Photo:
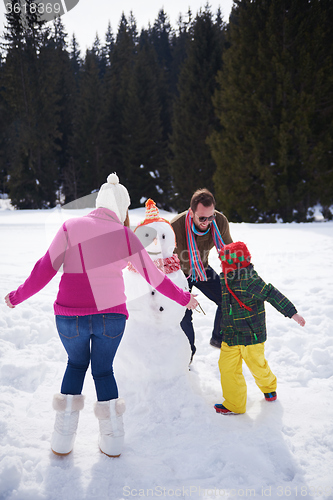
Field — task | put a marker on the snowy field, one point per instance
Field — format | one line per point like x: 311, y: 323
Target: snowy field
x: 176, y: 446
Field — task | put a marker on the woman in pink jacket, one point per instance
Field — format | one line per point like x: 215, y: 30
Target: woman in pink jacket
x: 90, y: 309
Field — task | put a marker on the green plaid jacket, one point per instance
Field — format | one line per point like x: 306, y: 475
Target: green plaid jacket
x: 242, y: 327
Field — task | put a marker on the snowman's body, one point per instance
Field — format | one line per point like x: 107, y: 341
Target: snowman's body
x: 159, y: 241
x: 153, y: 328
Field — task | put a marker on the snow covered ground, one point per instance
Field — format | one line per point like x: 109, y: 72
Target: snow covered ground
x: 176, y: 445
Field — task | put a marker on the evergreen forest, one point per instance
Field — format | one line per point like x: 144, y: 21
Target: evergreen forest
x: 244, y: 108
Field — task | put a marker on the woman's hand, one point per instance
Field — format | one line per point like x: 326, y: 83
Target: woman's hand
x: 299, y: 319
x: 193, y: 302
x: 8, y: 302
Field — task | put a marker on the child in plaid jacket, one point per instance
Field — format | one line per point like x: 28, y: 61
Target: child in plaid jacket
x: 243, y: 327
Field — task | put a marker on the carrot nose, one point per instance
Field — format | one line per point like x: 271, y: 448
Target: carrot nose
x: 155, y: 241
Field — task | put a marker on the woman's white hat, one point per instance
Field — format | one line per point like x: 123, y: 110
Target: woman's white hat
x: 114, y: 196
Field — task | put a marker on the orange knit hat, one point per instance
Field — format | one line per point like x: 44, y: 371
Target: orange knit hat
x: 152, y: 214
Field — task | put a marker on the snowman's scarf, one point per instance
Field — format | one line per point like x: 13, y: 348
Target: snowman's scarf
x: 198, y: 272
x: 167, y: 266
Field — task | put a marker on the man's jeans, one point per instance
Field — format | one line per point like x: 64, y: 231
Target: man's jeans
x: 212, y: 289
x: 94, y: 338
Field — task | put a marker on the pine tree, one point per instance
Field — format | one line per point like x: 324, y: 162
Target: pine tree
x: 33, y: 123
x: 160, y: 38
x: 85, y: 170
x: 191, y: 164
x: 4, y: 120
x: 67, y: 79
x: 233, y: 147
x: 274, y: 77
x: 101, y: 56
x: 116, y: 85
x: 179, y: 44
x: 109, y: 45
x: 75, y: 58
x: 319, y: 93
x: 143, y: 148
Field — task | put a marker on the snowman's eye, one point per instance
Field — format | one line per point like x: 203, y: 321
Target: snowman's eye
x: 153, y: 292
x: 163, y: 236
x: 147, y: 235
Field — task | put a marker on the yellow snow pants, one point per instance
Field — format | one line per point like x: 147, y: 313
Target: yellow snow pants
x: 232, y: 378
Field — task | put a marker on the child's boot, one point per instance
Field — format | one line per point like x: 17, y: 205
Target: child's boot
x: 270, y: 396
x: 111, y: 427
x: 67, y: 407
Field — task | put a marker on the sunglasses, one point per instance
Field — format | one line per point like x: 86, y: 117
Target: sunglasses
x: 209, y: 219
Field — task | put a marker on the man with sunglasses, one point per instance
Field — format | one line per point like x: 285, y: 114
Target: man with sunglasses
x: 197, y: 231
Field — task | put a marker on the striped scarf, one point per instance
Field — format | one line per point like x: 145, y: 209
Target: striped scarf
x: 198, y: 272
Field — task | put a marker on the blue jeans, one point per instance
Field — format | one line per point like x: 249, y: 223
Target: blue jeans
x: 94, y: 338
x: 212, y: 289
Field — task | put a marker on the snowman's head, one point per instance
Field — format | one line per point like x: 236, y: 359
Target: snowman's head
x: 158, y: 238
x: 155, y: 233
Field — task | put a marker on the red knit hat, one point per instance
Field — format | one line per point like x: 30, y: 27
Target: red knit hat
x: 234, y: 256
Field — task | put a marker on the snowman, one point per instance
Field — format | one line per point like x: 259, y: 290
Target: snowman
x: 153, y: 329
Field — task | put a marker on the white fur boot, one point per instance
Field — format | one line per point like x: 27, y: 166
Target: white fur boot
x: 111, y: 427
x: 67, y: 418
